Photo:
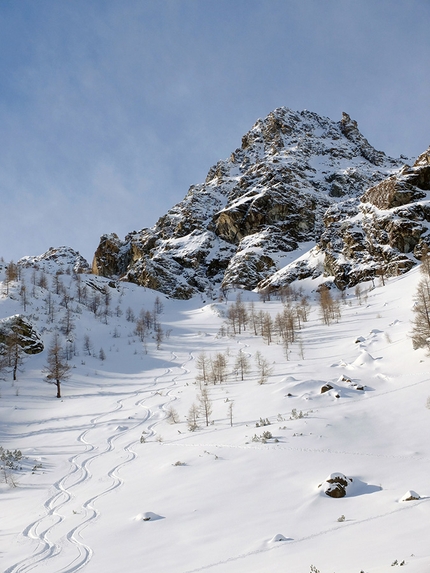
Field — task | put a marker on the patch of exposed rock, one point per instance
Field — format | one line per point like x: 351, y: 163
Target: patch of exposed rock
x: 27, y: 336
x: 335, y: 485
x: 254, y: 209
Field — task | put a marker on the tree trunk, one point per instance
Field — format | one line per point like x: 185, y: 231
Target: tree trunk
x: 57, y: 383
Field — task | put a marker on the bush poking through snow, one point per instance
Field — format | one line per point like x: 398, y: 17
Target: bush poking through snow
x: 263, y: 438
x: 296, y: 415
x: 9, y: 462
x: 262, y: 422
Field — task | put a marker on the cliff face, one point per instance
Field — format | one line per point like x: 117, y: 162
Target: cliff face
x: 385, y: 233
x: 255, y: 211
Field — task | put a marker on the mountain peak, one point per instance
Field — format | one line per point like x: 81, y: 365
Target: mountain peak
x: 254, y: 208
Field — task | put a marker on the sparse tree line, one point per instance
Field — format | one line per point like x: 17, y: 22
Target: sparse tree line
x: 147, y: 324
x: 62, y: 301
x: 286, y: 324
x: 283, y: 328
x: 213, y: 370
x: 241, y: 316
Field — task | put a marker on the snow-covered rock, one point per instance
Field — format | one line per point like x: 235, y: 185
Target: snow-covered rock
x: 57, y: 260
x: 255, y: 209
x: 385, y: 233
x: 335, y: 485
x: 27, y: 336
x: 410, y: 495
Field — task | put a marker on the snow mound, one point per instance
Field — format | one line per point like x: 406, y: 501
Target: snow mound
x: 410, y: 495
x: 364, y: 359
x: 278, y: 537
x: 148, y: 516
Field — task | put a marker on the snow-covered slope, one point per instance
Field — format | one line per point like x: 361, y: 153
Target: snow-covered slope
x: 112, y: 479
x: 254, y: 210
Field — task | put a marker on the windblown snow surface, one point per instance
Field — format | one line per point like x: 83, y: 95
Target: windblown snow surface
x: 109, y: 484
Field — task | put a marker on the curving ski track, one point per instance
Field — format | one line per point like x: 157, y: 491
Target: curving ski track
x: 67, y: 552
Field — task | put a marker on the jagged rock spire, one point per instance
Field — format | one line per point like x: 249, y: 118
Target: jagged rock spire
x: 254, y: 208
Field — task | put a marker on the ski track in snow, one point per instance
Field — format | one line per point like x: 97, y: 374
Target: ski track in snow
x: 284, y: 544
x: 277, y: 447
x: 71, y: 547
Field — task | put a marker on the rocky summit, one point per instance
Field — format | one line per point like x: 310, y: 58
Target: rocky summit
x: 256, y: 219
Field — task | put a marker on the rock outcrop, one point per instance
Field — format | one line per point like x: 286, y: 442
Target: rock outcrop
x: 335, y: 485
x: 255, y: 211
x: 383, y: 234
x: 26, y: 335
x: 61, y: 260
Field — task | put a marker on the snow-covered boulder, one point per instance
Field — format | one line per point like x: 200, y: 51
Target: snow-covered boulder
x: 335, y: 485
x: 27, y: 336
x: 148, y: 516
x: 410, y: 495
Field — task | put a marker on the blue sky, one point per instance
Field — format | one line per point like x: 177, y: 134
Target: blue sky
x: 110, y: 110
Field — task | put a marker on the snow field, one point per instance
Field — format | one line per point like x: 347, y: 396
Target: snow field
x: 221, y: 506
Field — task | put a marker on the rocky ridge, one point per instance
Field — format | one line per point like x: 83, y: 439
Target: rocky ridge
x: 256, y: 212
x: 57, y: 260
x: 385, y: 233
x: 380, y: 235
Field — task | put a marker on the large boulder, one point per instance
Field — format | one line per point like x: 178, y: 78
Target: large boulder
x: 335, y: 485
